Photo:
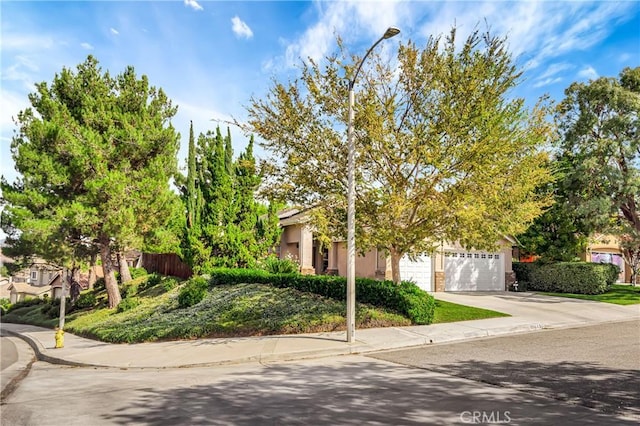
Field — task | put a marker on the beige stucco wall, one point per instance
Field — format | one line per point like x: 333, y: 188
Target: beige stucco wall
x: 607, y: 244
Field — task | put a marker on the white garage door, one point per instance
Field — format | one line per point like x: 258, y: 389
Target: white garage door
x: 418, y: 271
x: 473, y: 271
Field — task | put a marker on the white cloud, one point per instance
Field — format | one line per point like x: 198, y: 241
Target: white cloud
x: 26, y: 42
x: 588, y: 72
x: 86, y: 46
x: 114, y: 31
x: 547, y: 82
x: 22, y: 70
x: 240, y: 28
x: 554, y: 69
x: 193, y: 4
x: 351, y: 20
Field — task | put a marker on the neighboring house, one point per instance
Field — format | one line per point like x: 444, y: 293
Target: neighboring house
x: 21, y: 291
x: 451, y: 268
x: 606, y: 249
x: 37, y: 280
x: 5, y: 293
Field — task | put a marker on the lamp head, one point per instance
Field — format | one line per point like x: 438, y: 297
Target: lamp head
x: 391, y: 32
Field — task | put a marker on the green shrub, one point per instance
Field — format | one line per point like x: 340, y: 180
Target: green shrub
x: 193, y: 292
x: 275, y: 265
x: 137, y: 272
x: 523, y: 271
x: 613, y: 272
x: 24, y: 303
x: 128, y: 304
x: 87, y: 299
x: 52, y: 307
x: 571, y: 277
x: 154, y: 280
x: 169, y: 283
x: 128, y: 290
x: 100, y: 284
x: 406, y: 298
x: 5, y: 304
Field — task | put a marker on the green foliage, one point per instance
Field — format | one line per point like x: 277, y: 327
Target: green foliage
x: 137, y: 272
x: 51, y: 308
x: 600, y: 145
x: 193, y: 292
x: 96, y: 153
x: 99, y: 284
x: 5, y: 304
x: 153, y: 280
x: 128, y: 290
x: 619, y: 294
x: 405, y: 298
x: 24, y: 303
x: 169, y: 283
x: 444, y: 149
x: 87, y: 299
x: 128, y: 304
x: 223, y: 227
x: 567, y: 277
x: 273, y: 264
x: 523, y: 272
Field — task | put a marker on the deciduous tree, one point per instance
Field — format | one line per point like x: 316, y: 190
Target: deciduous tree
x: 444, y: 150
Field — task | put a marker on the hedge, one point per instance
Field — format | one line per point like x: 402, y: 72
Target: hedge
x: 566, y: 277
x: 406, y: 298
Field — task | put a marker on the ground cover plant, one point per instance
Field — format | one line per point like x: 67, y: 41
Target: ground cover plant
x: 154, y: 311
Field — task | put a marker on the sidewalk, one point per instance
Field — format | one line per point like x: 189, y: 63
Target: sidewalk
x: 529, y: 313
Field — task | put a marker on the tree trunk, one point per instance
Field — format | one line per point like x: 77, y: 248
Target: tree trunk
x: 92, y: 270
x: 395, y: 266
x: 125, y: 274
x: 113, y: 293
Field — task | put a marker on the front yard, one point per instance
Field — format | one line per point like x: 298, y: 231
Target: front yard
x: 619, y: 294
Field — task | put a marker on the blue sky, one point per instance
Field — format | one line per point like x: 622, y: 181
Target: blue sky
x: 210, y: 57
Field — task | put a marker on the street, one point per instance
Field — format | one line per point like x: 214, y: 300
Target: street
x: 549, y: 377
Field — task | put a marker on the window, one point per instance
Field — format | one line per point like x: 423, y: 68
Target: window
x: 34, y: 276
x: 497, y: 256
x: 483, y: 256
x: 490, y: 256
x: 476, y: 256
x: 469, y: 255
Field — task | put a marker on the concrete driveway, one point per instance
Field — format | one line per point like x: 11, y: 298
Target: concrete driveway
x: 547, y: 310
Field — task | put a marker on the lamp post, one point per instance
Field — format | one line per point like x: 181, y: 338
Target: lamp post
x: 351, y: 195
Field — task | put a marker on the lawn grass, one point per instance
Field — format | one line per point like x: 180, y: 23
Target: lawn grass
x: 617, y: 294
x: 452, y: 312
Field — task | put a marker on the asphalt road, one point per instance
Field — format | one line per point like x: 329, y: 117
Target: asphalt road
x: 597, y: 366
x: 8, y: 353
x: 349, y: 390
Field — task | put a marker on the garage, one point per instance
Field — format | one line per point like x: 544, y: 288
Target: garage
x: 419, y: 270
x: 473, y: 271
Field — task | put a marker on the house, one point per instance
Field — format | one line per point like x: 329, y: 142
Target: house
x: 607, y: 249
x: 21, y: 291
x: 451, y: 268
x: 37, y: 280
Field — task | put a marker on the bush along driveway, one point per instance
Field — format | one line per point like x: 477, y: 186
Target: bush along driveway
x: 619, y: 294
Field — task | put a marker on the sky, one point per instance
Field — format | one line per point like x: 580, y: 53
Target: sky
x: 212, y: 57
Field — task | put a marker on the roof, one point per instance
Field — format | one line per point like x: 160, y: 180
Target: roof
x: 29, y: 289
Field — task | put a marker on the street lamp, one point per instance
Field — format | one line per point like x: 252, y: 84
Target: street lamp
x: 351, y: 195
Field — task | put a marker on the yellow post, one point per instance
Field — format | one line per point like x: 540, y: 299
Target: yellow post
x: 59, y: 338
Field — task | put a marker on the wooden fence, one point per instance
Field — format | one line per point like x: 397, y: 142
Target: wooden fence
x: 166, y: 264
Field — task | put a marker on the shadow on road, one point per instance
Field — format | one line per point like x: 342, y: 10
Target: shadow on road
x: 369, y: 393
